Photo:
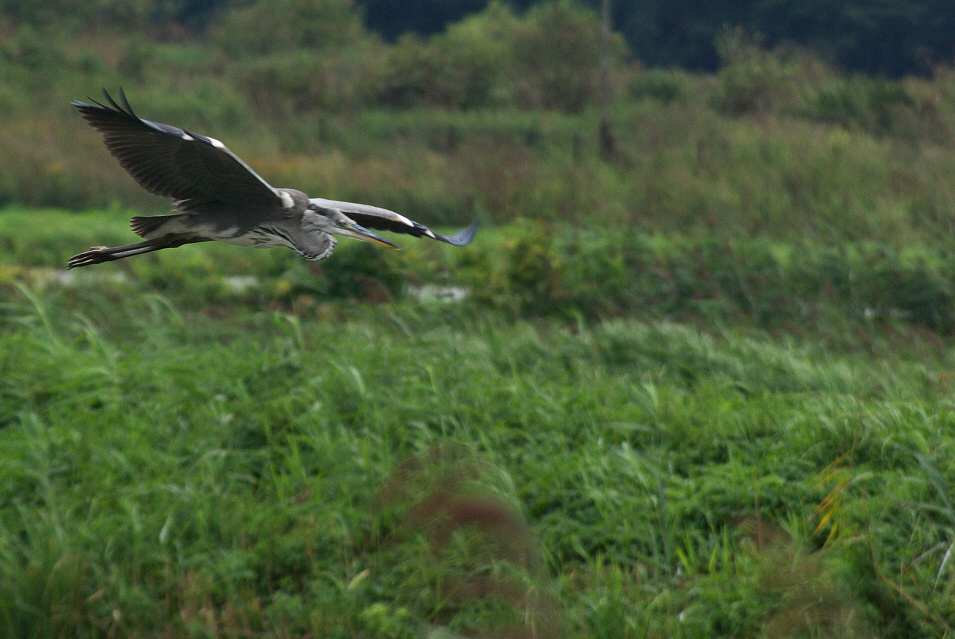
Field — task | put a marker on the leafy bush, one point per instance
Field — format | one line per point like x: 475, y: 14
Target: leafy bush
x: 916, y: 287
x: 410, y: 72
x: 523, y: 273
x: 546, y: 59
x: 557, y: 55
x: 357, y: 271
x: 657, y: 84
x: 300, y: 54
x: 873, y: 104
x: 752, y: 79
x: 305, y: 80
x: 289, y: 25
x: 475, y: 55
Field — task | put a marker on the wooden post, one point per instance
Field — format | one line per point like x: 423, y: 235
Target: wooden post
x: 607, y: 145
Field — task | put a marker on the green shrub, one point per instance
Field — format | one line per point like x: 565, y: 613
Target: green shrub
x: 410, y: 72
x: 523, y: 273
x: 355, y: 270
x: 546, y: 59
x: 299, y: 55
x: 289, y: 25
x: 474, y: 55
x: 28, y: 48
x: 557, y: 55
x: 914, y: 288
x: 754, y: 80
x: 658, y: 84
x: 872, y: 104
x: 303, y: 80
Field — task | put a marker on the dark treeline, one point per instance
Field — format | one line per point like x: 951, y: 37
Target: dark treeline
x: 886, y: 37
x: 891, y: 37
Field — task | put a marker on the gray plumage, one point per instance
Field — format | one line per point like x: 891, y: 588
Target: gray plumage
x: 218, y: 197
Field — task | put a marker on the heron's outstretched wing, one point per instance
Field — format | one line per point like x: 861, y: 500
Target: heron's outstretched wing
x: 175, y: 163
x: 380, y: 219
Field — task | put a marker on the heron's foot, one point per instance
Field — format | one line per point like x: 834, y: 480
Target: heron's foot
x: 95, y: 255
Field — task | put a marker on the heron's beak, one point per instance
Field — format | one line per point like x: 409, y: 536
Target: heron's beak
x: 359, y: 232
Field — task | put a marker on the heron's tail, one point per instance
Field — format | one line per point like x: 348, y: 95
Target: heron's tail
x: 145, y: 226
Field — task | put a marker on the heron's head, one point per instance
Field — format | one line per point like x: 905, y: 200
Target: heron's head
x: 337, y: 223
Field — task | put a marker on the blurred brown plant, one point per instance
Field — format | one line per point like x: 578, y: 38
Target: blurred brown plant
x: 482, y: 546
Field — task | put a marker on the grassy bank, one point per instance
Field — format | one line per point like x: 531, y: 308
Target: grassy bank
x: 805, y: 286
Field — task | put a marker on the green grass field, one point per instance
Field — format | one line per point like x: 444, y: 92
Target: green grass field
x: 179, y: 460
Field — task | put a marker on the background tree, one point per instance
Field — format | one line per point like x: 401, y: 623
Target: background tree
x: 891, y: 37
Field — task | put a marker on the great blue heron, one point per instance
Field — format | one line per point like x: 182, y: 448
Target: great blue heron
x: 218, y: 197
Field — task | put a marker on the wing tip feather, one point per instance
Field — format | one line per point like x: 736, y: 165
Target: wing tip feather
x: 462, y: 237
x: 93, y: 107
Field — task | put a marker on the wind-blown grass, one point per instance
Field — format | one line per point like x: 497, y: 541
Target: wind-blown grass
x: 366, y: 472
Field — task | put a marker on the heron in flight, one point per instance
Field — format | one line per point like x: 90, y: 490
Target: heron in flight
x: 219, y: 198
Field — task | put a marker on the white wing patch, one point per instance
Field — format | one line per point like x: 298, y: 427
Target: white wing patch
x: 216, y: 143
x: 187, y: 137
x: 287, y: 201
x: 403, y: 220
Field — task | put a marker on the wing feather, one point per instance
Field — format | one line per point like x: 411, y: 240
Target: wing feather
x: 173, y: 162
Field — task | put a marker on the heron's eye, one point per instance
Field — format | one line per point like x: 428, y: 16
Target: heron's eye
x: 341, y: 223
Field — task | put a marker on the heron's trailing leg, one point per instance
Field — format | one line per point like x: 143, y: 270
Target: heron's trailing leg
x: 100, y: 254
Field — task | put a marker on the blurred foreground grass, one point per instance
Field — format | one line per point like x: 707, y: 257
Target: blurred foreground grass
x: 181, y: 458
